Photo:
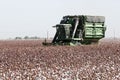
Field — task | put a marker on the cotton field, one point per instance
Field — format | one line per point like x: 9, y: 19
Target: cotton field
x: 30, y: 60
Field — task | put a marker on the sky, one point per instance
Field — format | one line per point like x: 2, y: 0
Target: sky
x: 36, y: 17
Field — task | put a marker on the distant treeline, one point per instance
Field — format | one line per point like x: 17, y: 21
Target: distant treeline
x: 27, y: 37
x: 33, y: 37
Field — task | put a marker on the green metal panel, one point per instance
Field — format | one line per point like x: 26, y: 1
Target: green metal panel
x: 99, y: 31
x: 88, y: 31
x: 94, y: 30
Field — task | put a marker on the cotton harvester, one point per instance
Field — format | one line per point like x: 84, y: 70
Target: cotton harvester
x: 81, y: 29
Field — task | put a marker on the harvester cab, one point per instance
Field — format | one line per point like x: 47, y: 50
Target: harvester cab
x: 63, y: 33
x: 81, y: 29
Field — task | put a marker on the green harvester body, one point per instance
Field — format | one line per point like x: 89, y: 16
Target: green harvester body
x: 81, y: 29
